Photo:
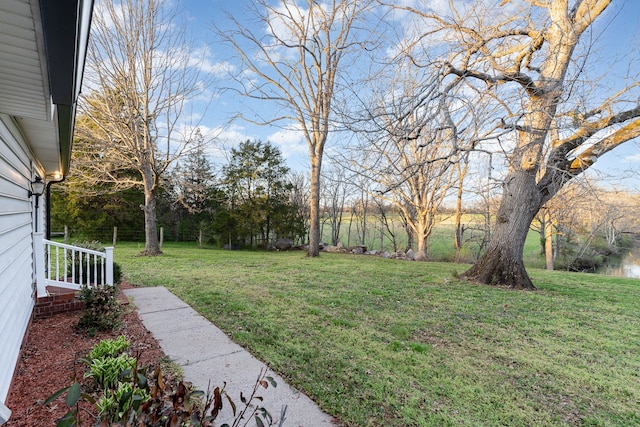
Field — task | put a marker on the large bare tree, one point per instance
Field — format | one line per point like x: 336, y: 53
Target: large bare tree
x: 292, y: 56
x: 139, y: 77
x: 532, y: 56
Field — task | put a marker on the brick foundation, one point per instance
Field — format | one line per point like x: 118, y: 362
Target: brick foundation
x: 59, y: 301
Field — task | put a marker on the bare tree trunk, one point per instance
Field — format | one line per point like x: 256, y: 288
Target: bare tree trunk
x: 459, y: 231
x: 502, y: 263
x: 422, y: 249
x: 548, y: 242
x: 151, y: 246
x: 459, y: 228
x: 365, y: 208
x: 349, y: 229
x: 314, y: 211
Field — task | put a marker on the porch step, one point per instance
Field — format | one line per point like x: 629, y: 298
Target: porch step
x: 60, y: 300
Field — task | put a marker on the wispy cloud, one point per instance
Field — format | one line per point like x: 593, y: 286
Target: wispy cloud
x: 290, y: 142
x: 202, y: 59
x: 634, y: 158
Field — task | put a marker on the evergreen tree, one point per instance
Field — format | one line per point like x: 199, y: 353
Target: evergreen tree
x: 258, y: 193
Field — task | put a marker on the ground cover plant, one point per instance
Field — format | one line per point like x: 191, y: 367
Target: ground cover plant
x: 396, y: 343
x: 124, y: 393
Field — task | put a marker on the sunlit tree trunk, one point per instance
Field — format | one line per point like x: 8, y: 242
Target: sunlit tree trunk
x: 548, y: 242
x: 502, y: 263
x: 459, y: 227
x: 314, y: 212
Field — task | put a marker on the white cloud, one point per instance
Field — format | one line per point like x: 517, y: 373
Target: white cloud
x: 290, y: 141
x: 231, y: 135
x: 202, y: 59
x: 634, y: 158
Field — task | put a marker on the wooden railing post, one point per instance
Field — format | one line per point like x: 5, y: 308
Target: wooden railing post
x: 38, y: 259
x: 109, y: 266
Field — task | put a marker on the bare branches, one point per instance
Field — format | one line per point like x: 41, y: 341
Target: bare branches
x: 525, y: 81
x: 619, y: 136
x: 585, y: 12
x: 295, y: 65
x: 140, y: 75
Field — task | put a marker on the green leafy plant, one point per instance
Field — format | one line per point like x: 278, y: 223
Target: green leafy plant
x: 118, y: 405
x: 101, y: 308
x: 72, y: 399
x: 109, y: 348
x: 128, y: 396
x: 106, y: 371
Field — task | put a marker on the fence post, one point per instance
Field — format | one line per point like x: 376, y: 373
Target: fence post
x: 38, y: 248
x: 109, y: 266
x: 115, y: 234
x: 161, y: 236
x: 66, y: 234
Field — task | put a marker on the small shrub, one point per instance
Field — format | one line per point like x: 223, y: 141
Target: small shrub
x: 117, y: 273
x: 101, y: 308
x: 139, y: 402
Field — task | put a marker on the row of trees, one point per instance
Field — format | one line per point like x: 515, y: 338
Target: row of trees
x: 254, y: 199
x: 251, y: 202
x: 509, y: 81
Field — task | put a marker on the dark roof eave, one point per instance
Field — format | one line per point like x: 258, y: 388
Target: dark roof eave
x: 66, y: 121
x: 66, y: 26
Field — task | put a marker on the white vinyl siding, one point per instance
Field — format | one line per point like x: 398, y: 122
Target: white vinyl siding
x: 16, y: 249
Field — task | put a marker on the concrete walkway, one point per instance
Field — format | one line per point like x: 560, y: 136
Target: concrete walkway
x: 207, y: 354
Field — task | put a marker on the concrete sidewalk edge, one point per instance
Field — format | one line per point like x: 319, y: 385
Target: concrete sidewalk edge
x: 208, y: 356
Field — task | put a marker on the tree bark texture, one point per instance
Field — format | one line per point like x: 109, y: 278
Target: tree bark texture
x: 548, y: 241
x: 502, y: 263
x: 152, y: 245
x: 314, y: 211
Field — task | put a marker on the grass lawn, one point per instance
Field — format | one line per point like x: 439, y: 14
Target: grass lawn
x: 394, y: 343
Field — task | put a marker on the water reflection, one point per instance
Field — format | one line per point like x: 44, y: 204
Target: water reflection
x: 629, y: 266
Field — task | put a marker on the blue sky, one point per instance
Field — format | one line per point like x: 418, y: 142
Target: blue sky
x: 621, y: 36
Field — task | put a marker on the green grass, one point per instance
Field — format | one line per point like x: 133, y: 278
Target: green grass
x: 382, y: 342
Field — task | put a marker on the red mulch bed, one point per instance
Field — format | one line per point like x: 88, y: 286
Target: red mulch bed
x: 50, y: 359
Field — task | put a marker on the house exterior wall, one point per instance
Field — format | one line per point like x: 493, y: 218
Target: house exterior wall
x: 17, y: 291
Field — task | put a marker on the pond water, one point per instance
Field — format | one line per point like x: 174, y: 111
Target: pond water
x: 627, y: 266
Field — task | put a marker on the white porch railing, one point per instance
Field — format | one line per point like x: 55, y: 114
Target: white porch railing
x: 71, y: 267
